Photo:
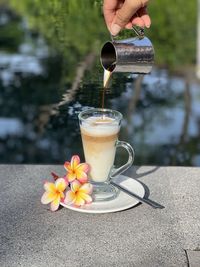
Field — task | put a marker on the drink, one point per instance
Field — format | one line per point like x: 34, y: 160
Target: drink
x: 106, y: 78
x: 99, y: 132
x: 99, y: 136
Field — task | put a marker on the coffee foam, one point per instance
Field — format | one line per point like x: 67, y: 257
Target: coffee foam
x: 100, y: 126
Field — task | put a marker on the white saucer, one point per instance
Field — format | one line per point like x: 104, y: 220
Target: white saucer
x: 122, y: 202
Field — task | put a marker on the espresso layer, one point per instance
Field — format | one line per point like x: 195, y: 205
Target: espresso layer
x: 98, y: 139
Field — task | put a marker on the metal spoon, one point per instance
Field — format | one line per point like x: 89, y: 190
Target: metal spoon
x: 143, y: 200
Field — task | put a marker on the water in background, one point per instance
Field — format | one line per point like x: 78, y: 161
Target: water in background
x: 39, y: 104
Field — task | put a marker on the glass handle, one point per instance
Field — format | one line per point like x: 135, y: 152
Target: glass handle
x: 116, y: 171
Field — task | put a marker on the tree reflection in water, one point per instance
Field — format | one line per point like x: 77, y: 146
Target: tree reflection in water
x: 42, y: 89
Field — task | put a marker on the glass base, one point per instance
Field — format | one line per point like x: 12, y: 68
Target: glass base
x: 104, y: 191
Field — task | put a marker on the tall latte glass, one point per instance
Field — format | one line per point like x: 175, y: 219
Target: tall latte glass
x: 99, y: 132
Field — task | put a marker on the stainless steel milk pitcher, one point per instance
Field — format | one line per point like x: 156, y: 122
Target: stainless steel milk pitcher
x: 135, y: 55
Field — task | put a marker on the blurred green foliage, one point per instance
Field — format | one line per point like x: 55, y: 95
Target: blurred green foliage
x: 67, y: 24
x: 11, y: 33
x: 76, y: 27
x: 173, y: 31
x: 72, y: 28
x: 11, y: 36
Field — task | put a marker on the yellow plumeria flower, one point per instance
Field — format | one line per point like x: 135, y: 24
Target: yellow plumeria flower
x: 54, y: 193
x: 76, y: 170
x: 79, y: 194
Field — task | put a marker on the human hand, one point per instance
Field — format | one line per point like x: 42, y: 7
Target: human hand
x: 121, y: 14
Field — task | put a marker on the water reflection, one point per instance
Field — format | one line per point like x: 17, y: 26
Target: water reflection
x: 40, y: 100
x: 166, y: 123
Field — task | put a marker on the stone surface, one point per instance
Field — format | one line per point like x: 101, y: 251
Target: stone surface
x: 193, y: 258
x: 31, y: 235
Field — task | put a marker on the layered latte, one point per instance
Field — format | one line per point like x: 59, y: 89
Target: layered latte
x: 99, y: 135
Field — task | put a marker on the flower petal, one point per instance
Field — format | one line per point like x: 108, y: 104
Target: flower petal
x: 60, y: 184
x: 75, y: 160
x: 75, y: 185
x: 62, y: 196
x: 70, y: 197
x: 71, y: 176
x: 79, y: 201
x: 86, y: 188
x: 50, y: 187
x: 83, y: 167
x: 81, y: 176
x: 86, y: 197
x: 55, y: 203
x: 67, y: 166
x: 47, y: 197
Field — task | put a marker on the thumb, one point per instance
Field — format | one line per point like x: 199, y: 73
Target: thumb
x: 124, y: 14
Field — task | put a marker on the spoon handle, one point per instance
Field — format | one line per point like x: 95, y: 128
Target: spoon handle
x: 143, y: 200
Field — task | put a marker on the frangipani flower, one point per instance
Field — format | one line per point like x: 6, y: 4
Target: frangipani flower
x: 76, y: 170
x: 54, y: 193
x: 79, y: 194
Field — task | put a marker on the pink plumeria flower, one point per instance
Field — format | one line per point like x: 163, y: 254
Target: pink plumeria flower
x: 54, y: 193
x: 79, y: 194
x: 76, y: 170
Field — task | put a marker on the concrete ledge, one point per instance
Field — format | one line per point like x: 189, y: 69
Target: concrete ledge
x: 31, y: 235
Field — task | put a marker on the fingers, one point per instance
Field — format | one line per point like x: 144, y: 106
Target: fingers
x: 120, y: 14
x: 142, y: 19
x: 109, y: 9
x: 124, y: 16
x: 138, y: 22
